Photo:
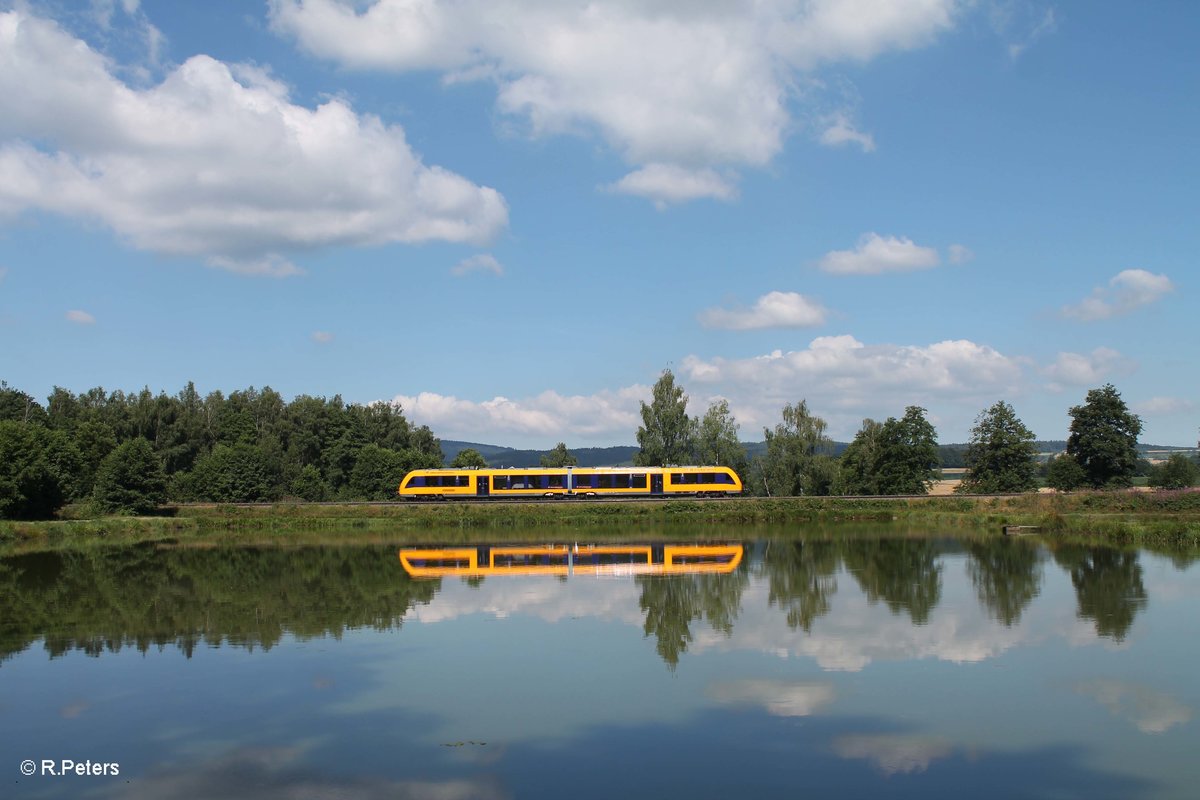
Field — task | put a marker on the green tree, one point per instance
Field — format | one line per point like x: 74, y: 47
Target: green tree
x: 1178, y: 472
x: 377, y: 473
x: 717, y: 439
x: 130, y: 479
x: 20, y: 407
x: 1001, y: 456
x: 1104, y: 438
x: 238, y: 473
x: 667, y: 434
x: 469, y: 458
x: 1007, y: 574
x: 858, y: 468
x: 309, y: 485
x: 1064, y: 473
x: 797, y: 460
x: 39, y: 470
x: 560, y: 456
x: 908, y: 454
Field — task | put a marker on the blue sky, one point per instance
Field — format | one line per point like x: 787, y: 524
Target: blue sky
x: 510, y: 215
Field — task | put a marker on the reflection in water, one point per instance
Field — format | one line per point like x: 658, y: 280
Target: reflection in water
x: 1108, y: 585
x: 105, y: 599
x: 801, y: 577
x: 893, y: 753
x: 673, y: 603
x: 905, y: 573
x: 779, y: 698
x: 1150, y: 710
x: 1007, y: 574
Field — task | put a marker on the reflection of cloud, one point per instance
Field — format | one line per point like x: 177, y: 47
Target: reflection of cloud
x: 548, y: 600
x: 275, y: 774
x: 1149, y: 710
x: 73, y: 710
x: 894, y: 752
x: 781, y: 698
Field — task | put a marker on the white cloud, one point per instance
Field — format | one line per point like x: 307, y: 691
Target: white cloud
x: 548, y: 417
x: 1085, y: 369
x: 1128, y: 290
x: 80, y: 317
x: 1165, y: 406
x: 772, y: 310
x: 839, y: 130
x: 322, y: 337
x: 876, y: 254
x: 484, y: 262
x: 1022, y: 25
x: 689, y: 85
x: 666, y: 184
x: 271, y: 265
x: 214, y: 161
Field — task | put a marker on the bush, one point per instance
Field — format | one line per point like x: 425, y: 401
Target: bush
x: 130, y: 479
x: 1178, y: 472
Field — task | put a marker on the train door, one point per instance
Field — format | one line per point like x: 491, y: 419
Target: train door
x: 481, y: 485
x: 656, y: 483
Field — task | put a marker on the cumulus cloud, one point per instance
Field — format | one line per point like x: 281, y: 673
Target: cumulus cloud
x: 877, y: 254
x: 1165, y: 406
x: 484, y: 262
x: 1085, y: 369
x: 1128, y: 290
x: 546, y: 417
x: 677, y: 85
x: 666, y: 184
x: 80, y: 317
x: 214, y: 161
x: 772, y: 310
x: 844, y: 368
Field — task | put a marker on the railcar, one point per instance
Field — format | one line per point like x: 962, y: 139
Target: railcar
x: 603, y: 559
x: 571, y: 482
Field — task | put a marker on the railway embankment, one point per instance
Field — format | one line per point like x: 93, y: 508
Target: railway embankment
x: 1166, y: 518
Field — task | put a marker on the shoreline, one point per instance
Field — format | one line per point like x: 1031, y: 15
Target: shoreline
x: 1169, y: 518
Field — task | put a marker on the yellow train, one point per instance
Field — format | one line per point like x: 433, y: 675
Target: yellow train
x: 571, y: 482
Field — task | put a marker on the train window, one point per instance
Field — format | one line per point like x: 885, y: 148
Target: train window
x: 639, y: 482
x: 683, y: 477
x: 620, y: 481
x: 585, y: 481
x: 557, y: 481
x: 604, y: 481
x: 416, y: 481
x: 724, y: 477
x: 499, y: 482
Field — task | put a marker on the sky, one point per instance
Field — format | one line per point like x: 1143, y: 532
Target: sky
x: 510, y: 216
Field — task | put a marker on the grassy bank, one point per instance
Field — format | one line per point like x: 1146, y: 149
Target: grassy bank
x: 1162, y: 518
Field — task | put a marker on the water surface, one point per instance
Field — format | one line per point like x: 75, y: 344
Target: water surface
x: 868, y: 665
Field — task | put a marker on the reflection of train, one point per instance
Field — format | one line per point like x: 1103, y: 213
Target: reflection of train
x: 553, y: 559
x: 571, y: 482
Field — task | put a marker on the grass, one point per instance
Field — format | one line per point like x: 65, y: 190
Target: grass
x: 1160, y: 518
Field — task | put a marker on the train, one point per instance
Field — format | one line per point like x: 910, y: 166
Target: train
x: 570, y: 482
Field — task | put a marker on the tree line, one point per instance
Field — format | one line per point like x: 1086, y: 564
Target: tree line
x: 130, y: 453
x: 117, y: 452
x: 900, y: 455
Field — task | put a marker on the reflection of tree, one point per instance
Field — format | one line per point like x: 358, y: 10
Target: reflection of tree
x: 672, y: 602
x: 1007, y: 575
x: 142, y: 596
x: 1108, y: 586
x: 904, y: 573
x: 801, y: 579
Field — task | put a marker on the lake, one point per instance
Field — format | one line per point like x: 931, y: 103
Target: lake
x: 798, y: 663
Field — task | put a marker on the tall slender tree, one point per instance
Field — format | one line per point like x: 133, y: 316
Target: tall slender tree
x: 667, y: 434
